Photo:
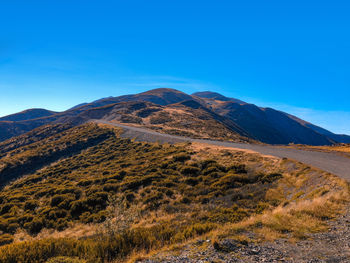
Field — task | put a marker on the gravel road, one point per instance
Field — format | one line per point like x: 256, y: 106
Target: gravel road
x: 330, y: 162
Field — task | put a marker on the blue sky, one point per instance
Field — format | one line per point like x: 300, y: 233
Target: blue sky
x: 291, y: 55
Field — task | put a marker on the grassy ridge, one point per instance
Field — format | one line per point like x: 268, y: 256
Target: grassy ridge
x: 29, y: 158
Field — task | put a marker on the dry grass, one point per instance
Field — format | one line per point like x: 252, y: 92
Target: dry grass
x: 293, y: 206
x: 297, y: 217
x: 294, y: 221
x: 77, y: 230
x: 307, y: 197
x: 343, y: 149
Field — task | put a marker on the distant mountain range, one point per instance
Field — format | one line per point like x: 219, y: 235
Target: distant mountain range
x: 200, y: 115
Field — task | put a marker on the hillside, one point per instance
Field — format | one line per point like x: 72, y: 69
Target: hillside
x: 215, y: 96
x: 201, y: 115
x: 342, y: 138
x: 88, y: 193
x: 28, y: 115
x: 187, y: 118
x: 266, y: 124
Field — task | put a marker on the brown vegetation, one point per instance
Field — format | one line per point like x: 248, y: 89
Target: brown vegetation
x: 127, y: 197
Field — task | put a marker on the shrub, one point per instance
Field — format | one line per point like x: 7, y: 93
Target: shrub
x: 79, y: 207
x: 206, y: 163
x: 58, y: 199
x: 182, y: 157
x: 98, y: 199
x: 35, y: 226
x: 190, y: 170
x: 6, y: 208
x: 30, y: 205
x: 238, y: 169
x: 185, y: 200
x: 191, y: 181
x: 6, y: 239
x: 269, y: 178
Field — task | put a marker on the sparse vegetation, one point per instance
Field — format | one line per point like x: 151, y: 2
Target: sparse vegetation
x: 137, y: 203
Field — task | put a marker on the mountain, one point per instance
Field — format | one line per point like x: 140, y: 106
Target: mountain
x: 28, y: 115
x: 187, y: 118
x: 161, y: 96
x: 268, y: 125
x: 341, y: 138
x: 265, y: 124
x: 200, y: 115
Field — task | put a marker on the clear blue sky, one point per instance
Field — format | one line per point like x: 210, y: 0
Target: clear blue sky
x: 291, y: 55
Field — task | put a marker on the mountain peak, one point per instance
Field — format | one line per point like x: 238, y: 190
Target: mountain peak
x: 163, y: 96
x: 160, y: 91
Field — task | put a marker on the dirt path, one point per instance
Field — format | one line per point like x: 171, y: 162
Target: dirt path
x: 329, y: 162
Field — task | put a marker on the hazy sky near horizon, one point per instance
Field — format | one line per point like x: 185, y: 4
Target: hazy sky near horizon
x: 290, y: 55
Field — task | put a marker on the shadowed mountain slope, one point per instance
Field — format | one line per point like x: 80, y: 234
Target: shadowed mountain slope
x: 342, y: 138
x: 266, y: 124
x: 28, y: 115
x: 215, y: 96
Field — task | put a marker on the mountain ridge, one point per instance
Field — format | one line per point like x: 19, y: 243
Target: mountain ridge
x: 242, y: 119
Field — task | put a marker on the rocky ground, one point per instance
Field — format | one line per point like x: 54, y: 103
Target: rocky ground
x: 329, y: 247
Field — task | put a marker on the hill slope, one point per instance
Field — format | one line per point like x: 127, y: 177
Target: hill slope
x: 341, y: 138
x: 188, y: 118
x: 28, y: 115
x: 268, y: 125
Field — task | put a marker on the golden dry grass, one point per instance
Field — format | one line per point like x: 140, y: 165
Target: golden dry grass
x: 296, y: 204
x: 343, y: 149
x: 308, y: 197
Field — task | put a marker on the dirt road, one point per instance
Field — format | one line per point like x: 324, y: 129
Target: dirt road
x: 330, y: 162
